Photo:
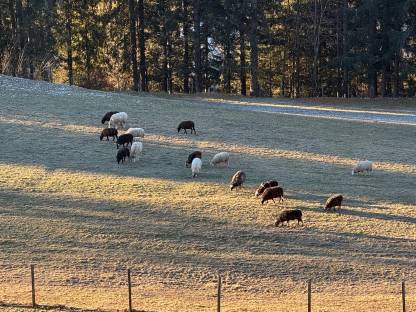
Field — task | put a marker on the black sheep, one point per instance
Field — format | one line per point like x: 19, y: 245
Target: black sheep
x: 187, y: 125
x: 266, y: 185
x: 107, y: 116
x: 271, y: 193
x: 109, y: 132
x: 287, y: 215
x: 238, y: 179
x: 196, y: 154
x: 125, y: 138
x: 334, y: 201
x: 122, y: 154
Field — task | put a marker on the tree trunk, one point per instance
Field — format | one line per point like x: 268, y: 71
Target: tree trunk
x: 227, y: 48
x: 142, y: 47
x: 243, y: 78
x: 185, y: 46
x: 372, y: 73
x: 68, y: 26
x: 197, y: 45
x: 396, y: 76
x: 345, y: 78
x: 254, y: 50
x: 206, y: 56
x: 133, y: 44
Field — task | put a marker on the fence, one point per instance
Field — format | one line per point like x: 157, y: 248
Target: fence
x: 130, y: 304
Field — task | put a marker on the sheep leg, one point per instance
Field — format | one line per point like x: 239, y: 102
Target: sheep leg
x: 185, y: 130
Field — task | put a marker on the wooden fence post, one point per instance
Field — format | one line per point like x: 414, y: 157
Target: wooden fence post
x: 309, y: 296
x: 404, y: 296
x: 129, y: 285
x: 219, y: 294
x: 32, y: 277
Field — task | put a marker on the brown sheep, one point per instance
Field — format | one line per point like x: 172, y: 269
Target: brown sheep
x: 122, y: 154
x: 266, y: 185
x: 188, y: 124
x: 238, y: 179
x: 334, y: 201
x: 109, y: 132
x: 287, y: 215
x: 196, y: 154
x: 271, y: 193
x: 125, y: 138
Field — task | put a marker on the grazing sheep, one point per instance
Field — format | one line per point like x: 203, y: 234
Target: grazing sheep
x: 107, y: 116
x: 136, y: 132
x: 188, y: 124
x: 109, y: 132
x: 122, y: 154
x: 118, y: 119
x: 137, y: 139
x: 266, y: 185
x: 196, y: 167
x: 238, y: 179
x: 334, y: 201
x: 287, y: 215
x: 363, y: 166
x: 196, y: 154
x: 125, y: 138
x: 135, y: 150
x: 271, y: 193
x: 219, y: 158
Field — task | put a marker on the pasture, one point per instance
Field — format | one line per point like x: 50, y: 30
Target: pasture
x: 68, y: 207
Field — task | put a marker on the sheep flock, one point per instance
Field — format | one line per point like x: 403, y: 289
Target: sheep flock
x: 130, y: 146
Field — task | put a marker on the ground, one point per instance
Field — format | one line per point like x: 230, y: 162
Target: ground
x: 69, y: 208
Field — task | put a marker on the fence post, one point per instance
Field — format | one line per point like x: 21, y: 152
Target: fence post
x: 309, y: 296
x: 404, y: 296
x: 219, y: 294
x: 32, y: 278
x: 129, y: 285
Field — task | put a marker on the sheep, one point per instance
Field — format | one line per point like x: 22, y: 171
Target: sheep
x: 191, y: 157
x: 223, y: 157
x: 125, y: 138
x: 271, y: 193
x: 135, y: 150
x: 122, y: 154
x: 196, y: 166
x: 238, y: 179
x: 334, y: 201
x: 109, y: 132
x: 188, y: 124
x: 287, y: 215
x: 363, y: 166
x: 265, y: 185
x: 136, y: 132
x: 118, y: 119
x: 107, y: 116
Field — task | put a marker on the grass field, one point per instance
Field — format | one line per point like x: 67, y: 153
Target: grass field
x: 66, y: 206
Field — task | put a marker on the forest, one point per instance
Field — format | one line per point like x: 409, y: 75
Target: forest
x: 287, y: 48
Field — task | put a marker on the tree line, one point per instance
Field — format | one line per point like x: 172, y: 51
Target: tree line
x: 293, y: 48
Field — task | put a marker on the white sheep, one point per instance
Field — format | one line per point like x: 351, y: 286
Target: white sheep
x: 136, y: 132
x: 119, y: 119
x: 137, y: 139
x: 363, y: 166
x: 196, y: 166
x: 222, y: 157
x: 135, y: 150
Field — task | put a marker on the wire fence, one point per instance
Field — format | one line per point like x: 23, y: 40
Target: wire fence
x: 308, y: 300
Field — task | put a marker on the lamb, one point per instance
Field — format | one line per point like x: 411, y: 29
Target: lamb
x: 107, y: 116
x: 118, y: 119
x: 287, y: 215
x: 196, y: 167
x: 136, y: 132
x: 271, y: 193
x: 363, y: 166
x: 265, y: 185
x: 125, y: 138
x: 188, y: 124
x: 334, y: 201
x: 223, y: 157
x: 191, y: 157
x: 135, y: 150
x: 122, y: 154
x: 238, y: 179
x: 109, y: 132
